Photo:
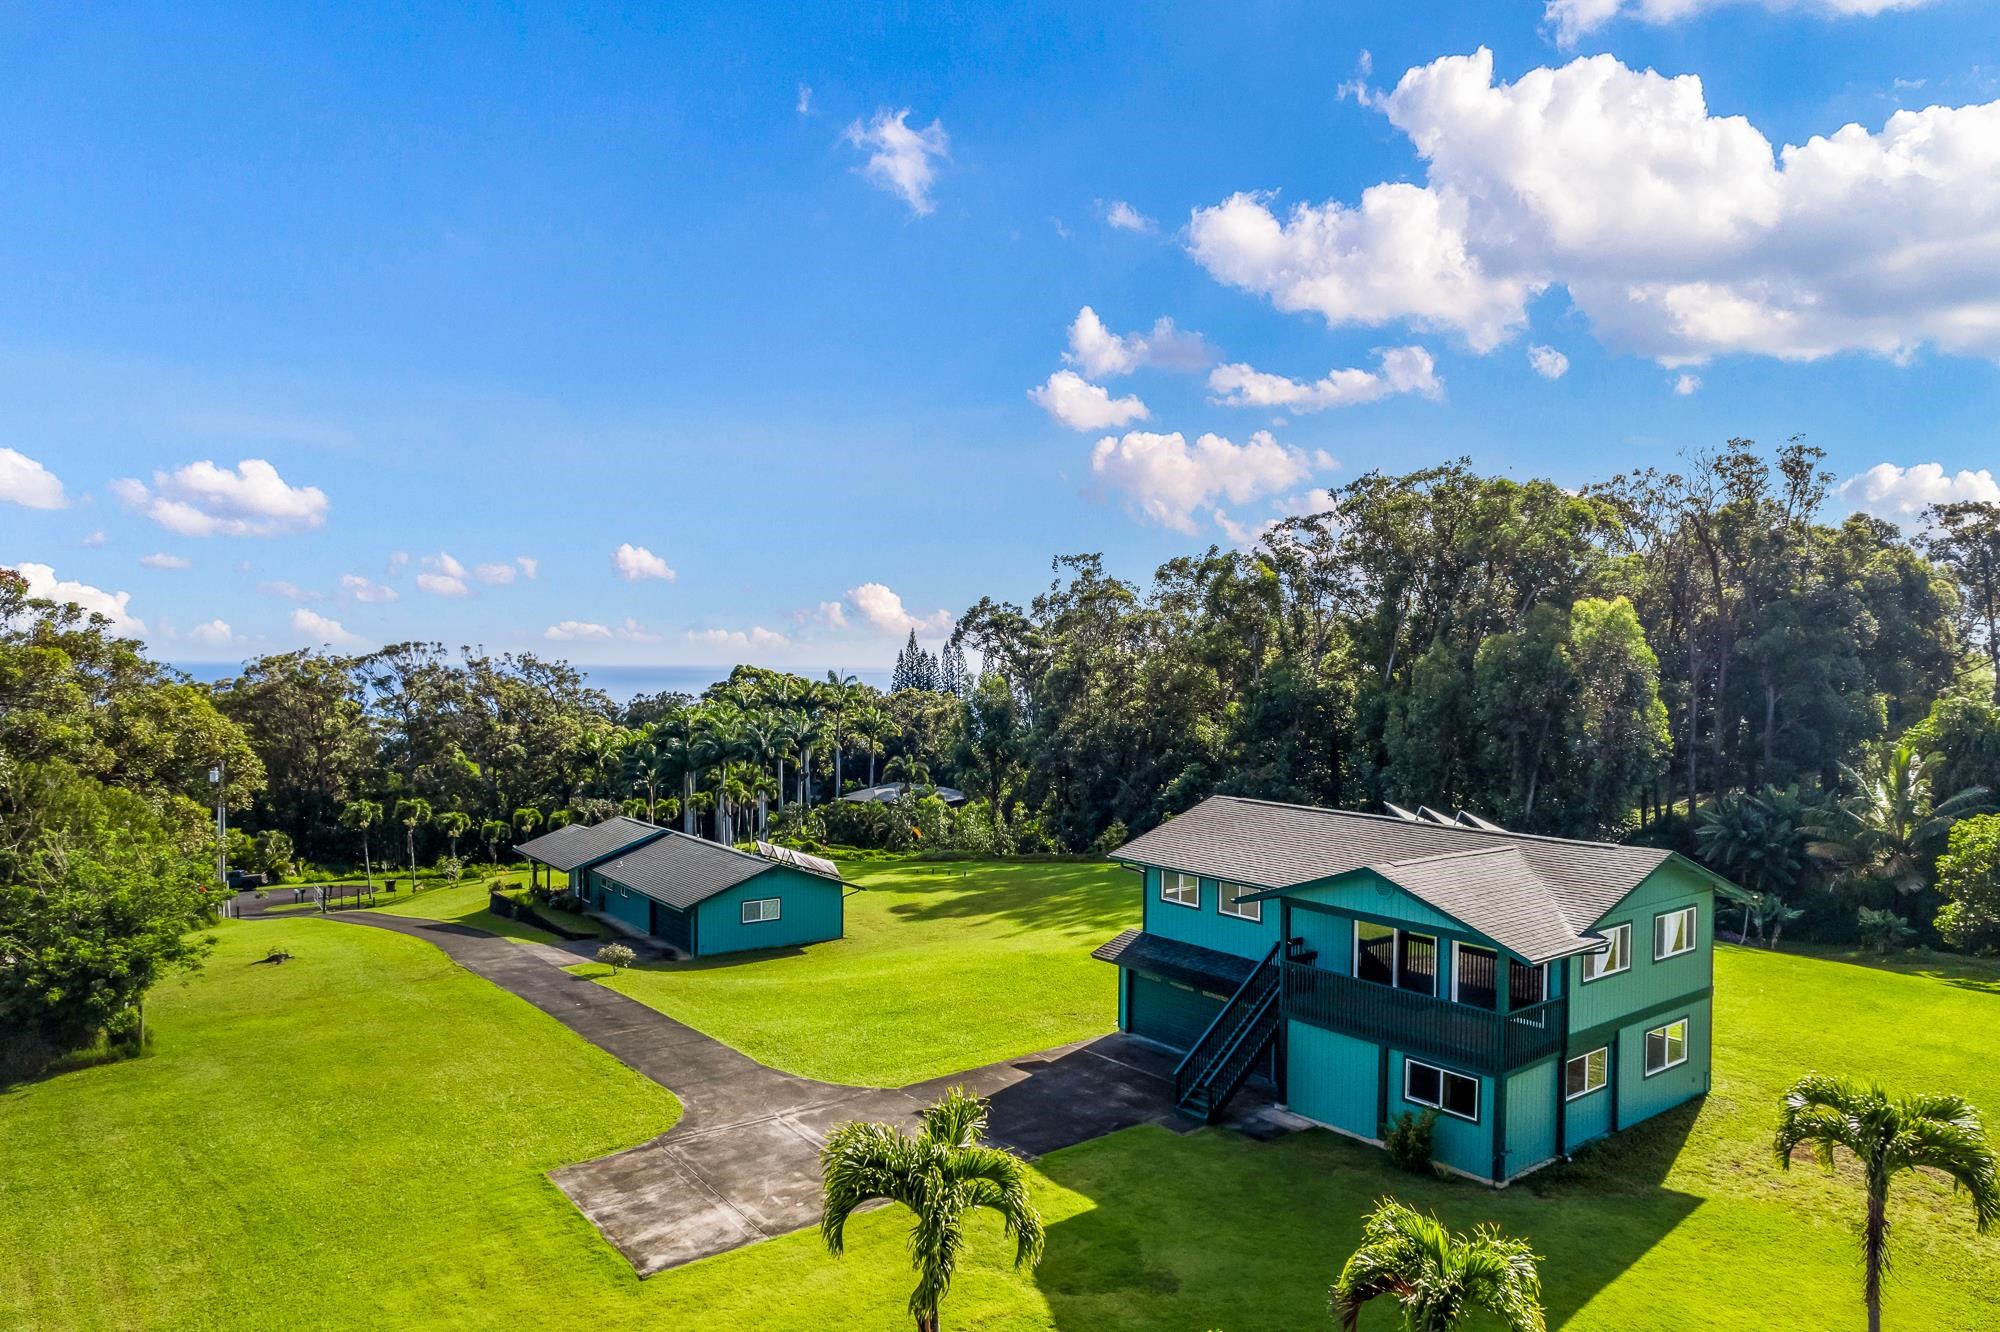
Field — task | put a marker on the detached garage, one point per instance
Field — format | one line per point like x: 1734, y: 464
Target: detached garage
x: 707, y: 899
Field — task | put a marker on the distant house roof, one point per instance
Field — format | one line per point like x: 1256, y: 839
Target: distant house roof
x: 888, y: 792
x: 680, y: 870
x: 1188, y: 963
x: 1536, y: 896
x: 576, y: 845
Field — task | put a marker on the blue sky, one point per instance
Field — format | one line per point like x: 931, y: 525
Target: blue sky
x: 401, y: 323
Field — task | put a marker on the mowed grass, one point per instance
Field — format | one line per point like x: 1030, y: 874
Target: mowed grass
x: 189, y: 1188
x: 944, y: 967
x: 461, y: 904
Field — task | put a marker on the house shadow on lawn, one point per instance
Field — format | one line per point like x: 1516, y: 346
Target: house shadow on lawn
x: 1213, y: 1230
x: 1075, y: 898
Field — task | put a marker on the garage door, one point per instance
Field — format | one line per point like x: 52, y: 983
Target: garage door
x: 1169, y: 1014
x: 673, y: 926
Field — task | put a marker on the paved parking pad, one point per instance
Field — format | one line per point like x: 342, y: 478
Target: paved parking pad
x: 743, y: 1162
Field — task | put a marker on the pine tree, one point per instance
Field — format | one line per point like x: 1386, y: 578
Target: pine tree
x: 928, y: 672
x: 951, y: 670
x: 909, y: 667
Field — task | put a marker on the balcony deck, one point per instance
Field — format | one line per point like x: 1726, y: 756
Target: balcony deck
x: 1461, y: 1034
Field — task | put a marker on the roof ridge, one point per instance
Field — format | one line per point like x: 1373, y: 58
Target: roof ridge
x: 1452, y: 855
x: 1449, y: 827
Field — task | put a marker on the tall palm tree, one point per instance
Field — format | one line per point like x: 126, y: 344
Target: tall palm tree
x: 412, y: 814
x: 453, y: 824
x: 787, y: 742
x: 762, y: 743
x: 838, y: 691
x: 1895, y: 827
x: 808, y: 729
x: 874, y: 725
x: 1438, y: 1277
x: 361, y: 815
x: 941, y: 1173
x: 598, y: 753
x: 1940, y: 1133
x: 715, y: 741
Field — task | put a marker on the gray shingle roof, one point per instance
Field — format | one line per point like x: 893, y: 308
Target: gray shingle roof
x: 1185, y: 962
x: 681, y: 870
x: 569, y: 848
x: 1545, y: 886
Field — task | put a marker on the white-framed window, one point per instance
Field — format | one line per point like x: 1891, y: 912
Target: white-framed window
x: 1666, y: 1046
x: 1614, y: 957
x: 1180, y: 889
x: 1586, y: 1073
x: 1228, y: 904
x: 760, y: 909
x: 1475, y: 976
x: 1673, y: 934
x: 1453, y: 1093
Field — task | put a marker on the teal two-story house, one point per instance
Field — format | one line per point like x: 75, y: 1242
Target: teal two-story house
x: 1536, y: 992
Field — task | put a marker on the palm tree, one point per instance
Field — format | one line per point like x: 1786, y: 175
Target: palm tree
x: 492, y: 833
x: 597, y: 756
x: 1940, y: 1133
x: 411, y: 813
x: 762, y: 743
x: 839, y: 694
x: 650, y: 761
x: 874, y: 725
x: 940, y: 1174
x: 716, y: 740
x: 453, y: 824
x: 808, y: 729
x: 527, y: 818
x: 1438, y: 1277
x: 909, y: 769
x: 1894, y: 827
x: 362, y: 815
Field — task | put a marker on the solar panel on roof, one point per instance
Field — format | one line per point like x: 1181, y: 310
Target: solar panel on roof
x: 784, y: 855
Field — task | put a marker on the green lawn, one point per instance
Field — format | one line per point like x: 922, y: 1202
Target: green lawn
x: 943, y: 967
x: 463, y: 904
x: 358, y: 1138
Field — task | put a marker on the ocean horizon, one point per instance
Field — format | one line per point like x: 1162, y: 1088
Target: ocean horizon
x: 622, y: 682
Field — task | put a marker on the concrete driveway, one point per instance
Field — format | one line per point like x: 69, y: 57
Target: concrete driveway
x: 743, y: 1162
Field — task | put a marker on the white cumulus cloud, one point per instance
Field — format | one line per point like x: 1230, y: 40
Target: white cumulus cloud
x: 1081, y: 405
x: 286, y: 588
x: 113, y: 606
x: 1168, y: 481
x: 26, y: 482
x: 1100, y: 353
x: 1680, y: 234
x: 202, y: 499
x: 162, y: 560
x: 1547, y: 362
x: 1902, y: 493
x: 529, y: 565
x: 215, y: 633
x: 575, y: 631
x: 366, y: 589
x: 1127, y: 218
x: 1573, y: 19
x: 901, y: 160
x: 757, y: 636
x: 882, y: 609
x: 1687, y: 385
x: 443, y: 576
x: 636, y: 563
x: 317, y: 629
x: 1400, y: 370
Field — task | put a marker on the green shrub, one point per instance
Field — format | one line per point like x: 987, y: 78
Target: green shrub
x: 1884, y: 931
x: 616, y: 956
x: 1408, y: 1138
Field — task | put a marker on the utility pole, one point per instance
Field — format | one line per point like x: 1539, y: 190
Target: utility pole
x: 215, y: 779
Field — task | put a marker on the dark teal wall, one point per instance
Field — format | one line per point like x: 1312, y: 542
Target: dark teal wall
x: 1454, y: 1142
x: 635, y: 909
x: 1208, y: 927
x: 812, y: 913
x: 1589, y: 1116
x: 1641, y: 1097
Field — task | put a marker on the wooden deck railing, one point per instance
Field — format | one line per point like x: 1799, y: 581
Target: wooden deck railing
x: 1459, y: 1033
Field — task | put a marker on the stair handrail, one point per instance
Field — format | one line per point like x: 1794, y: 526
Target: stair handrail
x: 1248, y: 980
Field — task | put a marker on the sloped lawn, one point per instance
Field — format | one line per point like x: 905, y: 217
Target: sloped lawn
x: 943, y: 967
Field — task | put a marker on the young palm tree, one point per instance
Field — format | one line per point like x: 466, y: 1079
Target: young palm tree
x: 492, y: 833
x: 1895, y: 827
x: 940, y: 1174
x: 453, y: 824
x: 1940, y: 1133
x: 361, y: 815
x: 874, y: 726
x: 412, y: 814
x: 1438, y: 1277
x: 527, y: 818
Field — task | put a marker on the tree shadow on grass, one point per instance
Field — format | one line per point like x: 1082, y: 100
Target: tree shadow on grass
x: 1212, y: 1229
x: 1965, y: 973
x: 1030, y: 897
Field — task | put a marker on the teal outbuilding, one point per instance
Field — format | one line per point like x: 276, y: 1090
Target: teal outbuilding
x: 707, y: 899
x: 1536, y: 993
x: 699, y: 897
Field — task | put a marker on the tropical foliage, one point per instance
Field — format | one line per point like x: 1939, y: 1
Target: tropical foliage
x: 1937, y: 1133
x: 1439, y: 1278
x: 941, y: 1174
